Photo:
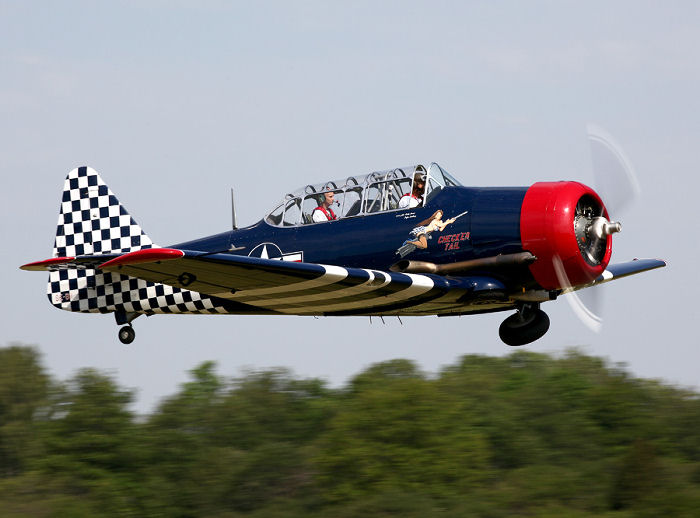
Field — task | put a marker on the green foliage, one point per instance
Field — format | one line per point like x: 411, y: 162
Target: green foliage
x: 526, y: 435
x: 23, y: 392
x: 397, y: 431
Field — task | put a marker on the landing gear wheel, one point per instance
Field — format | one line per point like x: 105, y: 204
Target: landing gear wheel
x: 527, y: 325
x: 127, y: 335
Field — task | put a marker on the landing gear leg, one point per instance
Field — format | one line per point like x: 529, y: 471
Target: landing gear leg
x: 127, y: 334
x: 527, y: 325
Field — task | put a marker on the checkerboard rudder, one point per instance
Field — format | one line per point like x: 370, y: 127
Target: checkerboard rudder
x: 91, y: 221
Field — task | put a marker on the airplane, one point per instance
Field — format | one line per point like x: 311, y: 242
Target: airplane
x: 407, y: 241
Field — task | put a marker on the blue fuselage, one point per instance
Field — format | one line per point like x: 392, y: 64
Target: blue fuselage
x: 489, y: 225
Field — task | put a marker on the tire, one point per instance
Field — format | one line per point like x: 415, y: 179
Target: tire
x: 520, y: 330
x: 127, y: 335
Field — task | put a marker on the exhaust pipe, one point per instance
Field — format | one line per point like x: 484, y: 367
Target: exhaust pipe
x: 496, y: 261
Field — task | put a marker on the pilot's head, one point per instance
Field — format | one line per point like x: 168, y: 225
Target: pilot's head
x: 328, y: 199
x: 419, y: 182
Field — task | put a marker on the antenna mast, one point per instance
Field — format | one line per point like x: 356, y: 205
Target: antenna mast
x: 233, y: 212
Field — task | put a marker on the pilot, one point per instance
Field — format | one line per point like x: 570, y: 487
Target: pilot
x: 324, y: 212
x: 415, y: 198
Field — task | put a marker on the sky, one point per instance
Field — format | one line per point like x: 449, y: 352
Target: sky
x: 175, y: 102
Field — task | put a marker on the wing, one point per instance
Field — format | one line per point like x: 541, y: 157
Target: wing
x: 298, y: 288
x: 315, y: 289
x: 620, y: 270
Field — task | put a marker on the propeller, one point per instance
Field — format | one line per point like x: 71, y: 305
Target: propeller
x: 614, y: 175
x: 617, y: 185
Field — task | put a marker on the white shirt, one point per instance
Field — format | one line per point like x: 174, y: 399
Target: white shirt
x: 408, y: 201
x: 319, y: 216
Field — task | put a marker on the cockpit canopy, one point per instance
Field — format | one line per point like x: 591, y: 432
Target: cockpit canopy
x: 373, y: 193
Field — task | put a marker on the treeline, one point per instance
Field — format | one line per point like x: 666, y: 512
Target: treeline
x: 523, y: 435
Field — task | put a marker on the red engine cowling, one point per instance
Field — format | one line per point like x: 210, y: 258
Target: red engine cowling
x: 554, y: 225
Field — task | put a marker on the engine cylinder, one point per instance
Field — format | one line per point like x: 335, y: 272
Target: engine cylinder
x: 554, y: 225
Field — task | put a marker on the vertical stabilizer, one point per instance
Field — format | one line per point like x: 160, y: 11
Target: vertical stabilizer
x: 92, y: 221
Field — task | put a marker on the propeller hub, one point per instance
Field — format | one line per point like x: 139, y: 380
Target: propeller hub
x: 601, y: 228
x: 592, y: 229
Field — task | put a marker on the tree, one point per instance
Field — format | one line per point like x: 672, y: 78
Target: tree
x: 23, y: 391
x: 637, y: 476
x: 92, y: 444
x: 395, y: 431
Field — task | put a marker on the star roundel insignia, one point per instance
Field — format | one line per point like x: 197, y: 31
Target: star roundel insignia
x: 266, y: 251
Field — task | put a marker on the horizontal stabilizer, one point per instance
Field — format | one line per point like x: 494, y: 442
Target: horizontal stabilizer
x: 68, y: 263
x: 47, y: 264
x: 147, y: 255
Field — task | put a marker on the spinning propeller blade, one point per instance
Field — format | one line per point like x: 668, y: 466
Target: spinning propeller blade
x: 615, y: 180
x: 617, y: 185
x: 586, y: 308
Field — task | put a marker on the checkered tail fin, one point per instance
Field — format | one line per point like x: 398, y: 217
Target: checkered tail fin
x: 92, y: 221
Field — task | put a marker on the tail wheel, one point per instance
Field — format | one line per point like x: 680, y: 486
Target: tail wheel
x: 127, y: 335
x: 525, y: 326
